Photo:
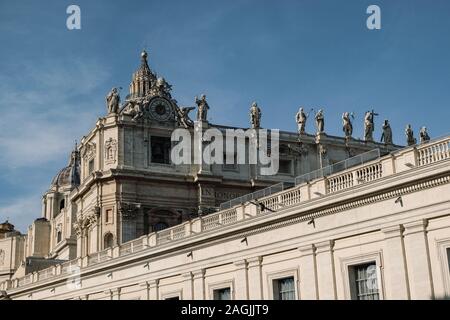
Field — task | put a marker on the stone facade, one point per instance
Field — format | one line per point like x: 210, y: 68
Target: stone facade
x: 392, y: 218
x: 121, y: 206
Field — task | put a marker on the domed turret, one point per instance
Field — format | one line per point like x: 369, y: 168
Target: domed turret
x: 70, y: 175
x: 5, y: 229
x: 143, y: 79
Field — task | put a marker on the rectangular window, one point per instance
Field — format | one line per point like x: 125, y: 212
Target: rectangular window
x: 222, y: 294
x: 229, y: 166
x: 91, y: 166
x: 285, y: 167
x: 160, y: 149
x: 173, y: 298
x: 128, y: 230
x: 364, y: 282
x: 109, y: 216
x: 284, y: 289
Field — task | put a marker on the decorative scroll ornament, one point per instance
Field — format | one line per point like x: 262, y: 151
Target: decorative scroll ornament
x: 78, y: 226
x: 161, y: 88
x: 87, y: 221
x: 88, y: 150
x: 182, y: 117
x: 128, y: 211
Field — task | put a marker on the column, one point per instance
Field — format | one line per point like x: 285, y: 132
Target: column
x: 153, y: 289
x: 308, y: 273
x: 145, y: 289
x: 254, y: 278
x: 325, y: 270
x: 395, y: 273
x: 198, y: 279
x: 417, y: 260
x: 241, y: 281
x: 188, y: 287
x: 115, y: 294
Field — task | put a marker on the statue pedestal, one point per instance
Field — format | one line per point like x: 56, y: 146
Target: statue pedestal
x: 320, y: 136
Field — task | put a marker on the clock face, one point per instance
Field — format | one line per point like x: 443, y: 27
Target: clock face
x: 160, y: 109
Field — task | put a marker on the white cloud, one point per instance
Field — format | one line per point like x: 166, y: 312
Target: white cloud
x: 40, y: 122
x: 44, y: 108
x: 21, y: 211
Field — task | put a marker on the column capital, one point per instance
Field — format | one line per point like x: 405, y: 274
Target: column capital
x: 254, y: 261
x: 153, y: 283
x: 240, y: 264
x: 392, y: 231
x: 187, y: 275
x: 324, y: 246
x: 415, y: 227
x: 307, y: 250
x: 200, y: 273
x: 115, y: 290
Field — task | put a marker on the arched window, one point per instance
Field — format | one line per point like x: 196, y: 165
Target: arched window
x: 108, y: 240
x: 58, y: 236
x: 62, y: 204
x: 160, y: 226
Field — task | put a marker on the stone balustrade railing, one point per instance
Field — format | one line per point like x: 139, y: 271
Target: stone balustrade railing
x: 398, y: 161
x: 433, y: 152
x: 46, y: 273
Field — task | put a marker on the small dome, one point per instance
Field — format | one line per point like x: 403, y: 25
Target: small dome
x: 70, y: 175
x: 143, y: 79
x: 6, y: 227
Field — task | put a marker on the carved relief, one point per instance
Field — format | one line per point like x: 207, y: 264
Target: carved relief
x: 110, y: 151
x: 128, y: 211
x: 87, y: 221
x: 88, y: 150
x: 78, y: 226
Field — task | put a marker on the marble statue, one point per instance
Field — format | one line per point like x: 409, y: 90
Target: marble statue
x: 424, y: 137
x: 369, y: 126
x: 410, y: 140
x: 183, y: 117
x: 320, y: 121
x: 301, y: 118
x: 161, y: 88
x: 386, y: 136
x: 255, y: 116
x: 347, y: 126
x: 134, y: 109
x: 113, y: 100
x: 203, y: 107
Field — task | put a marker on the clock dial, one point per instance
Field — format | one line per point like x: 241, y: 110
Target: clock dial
x: 160, y: 109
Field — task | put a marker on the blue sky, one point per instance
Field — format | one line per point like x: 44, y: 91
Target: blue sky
x: 282, y: 54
